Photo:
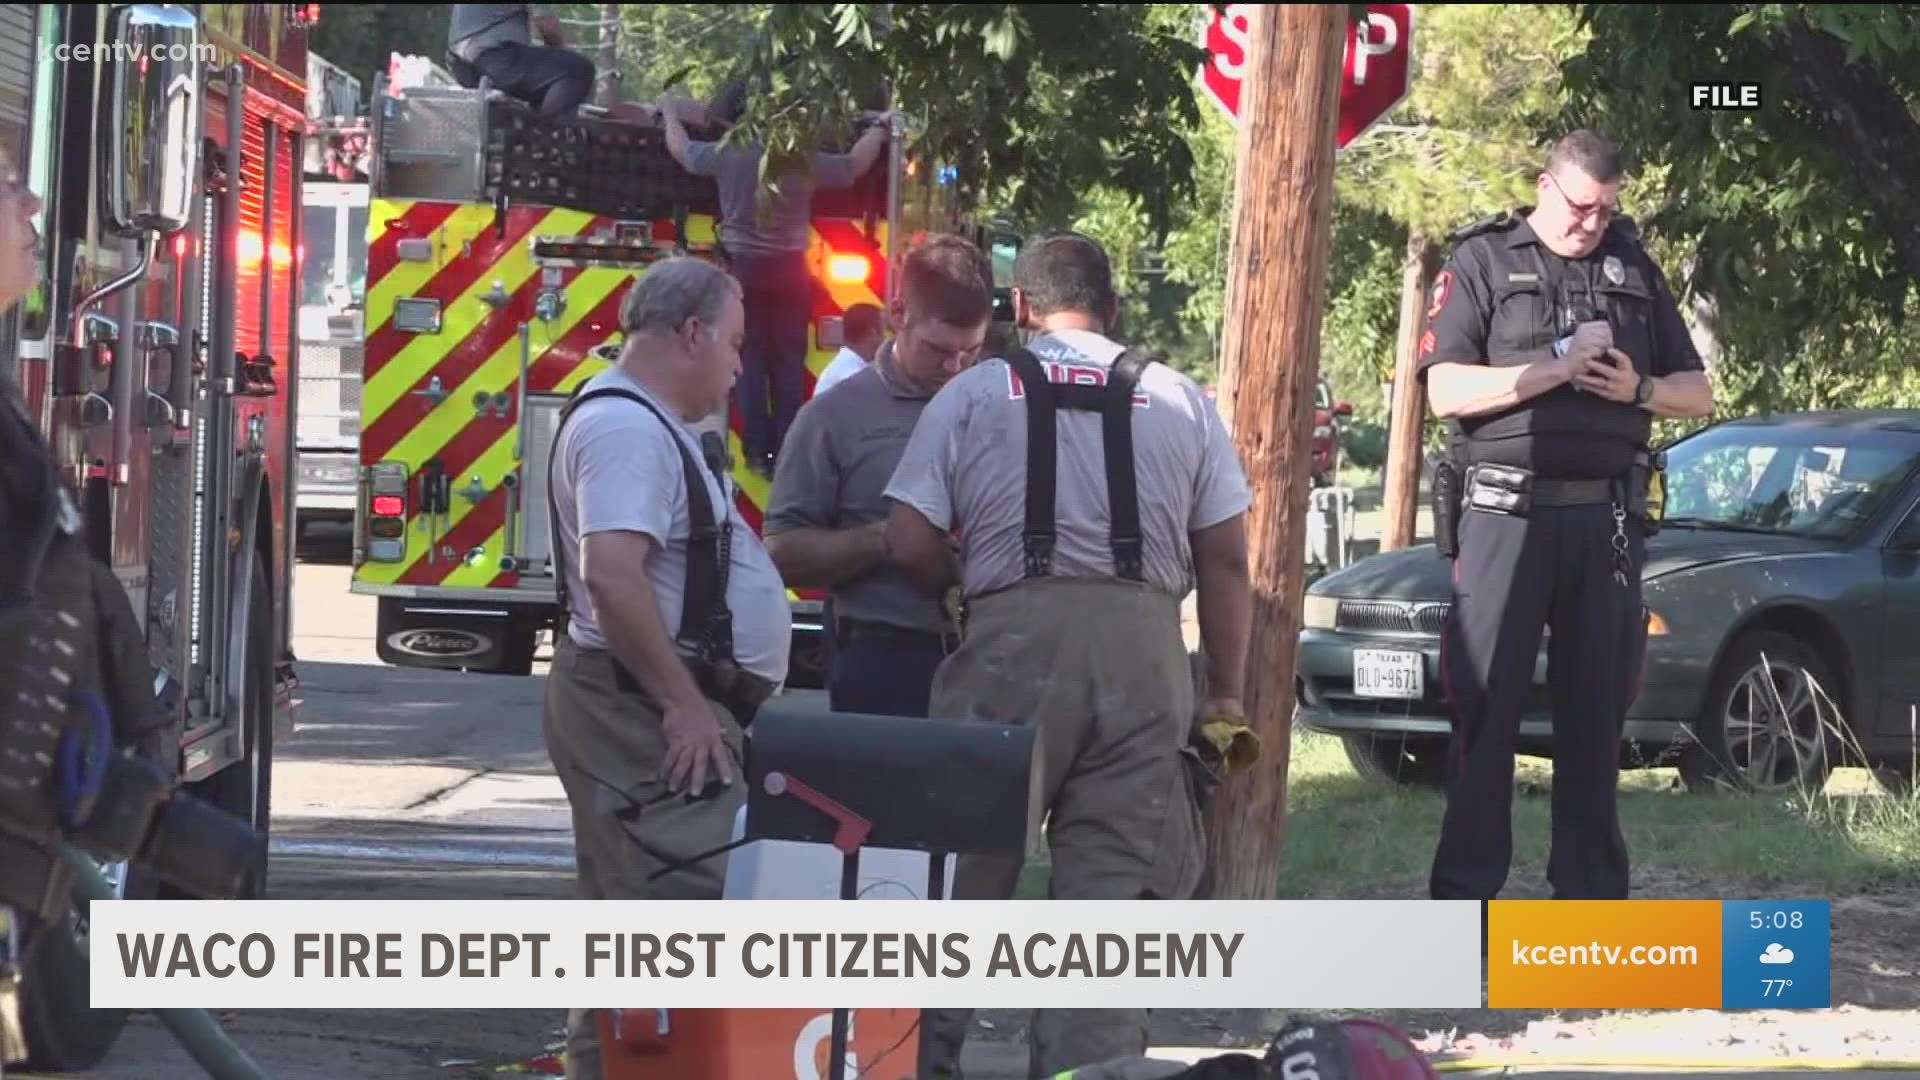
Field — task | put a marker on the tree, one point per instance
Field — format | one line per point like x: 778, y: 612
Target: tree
x: 1800, y: 217
x: 1032, y: 104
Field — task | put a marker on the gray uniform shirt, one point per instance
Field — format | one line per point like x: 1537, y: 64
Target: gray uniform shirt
x: 736, y: 173
x: 965, y: 468
x: 616, y: 469
x: 832, y: 474
x: 475, y: 28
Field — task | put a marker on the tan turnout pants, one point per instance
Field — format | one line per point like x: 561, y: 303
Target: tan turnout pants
x: 1102, y: 666
x: 591, y: 724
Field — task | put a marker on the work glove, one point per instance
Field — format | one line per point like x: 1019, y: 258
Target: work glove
x: 1223, y: 733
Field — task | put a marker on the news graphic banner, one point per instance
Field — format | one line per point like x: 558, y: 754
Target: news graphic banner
x: 780, y: 954
x: 1659, y: 954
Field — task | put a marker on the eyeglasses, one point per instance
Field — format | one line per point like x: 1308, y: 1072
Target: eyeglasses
x: 1602, y: 211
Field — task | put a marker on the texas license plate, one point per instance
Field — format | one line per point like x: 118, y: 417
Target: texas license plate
x: 1387, y: 673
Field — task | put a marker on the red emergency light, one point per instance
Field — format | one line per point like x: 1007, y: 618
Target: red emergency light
x: 843, y: 269
x: 389, y: 506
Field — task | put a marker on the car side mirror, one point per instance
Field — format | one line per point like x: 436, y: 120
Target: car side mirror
x: 153, y: 154
x: 1343, y: 408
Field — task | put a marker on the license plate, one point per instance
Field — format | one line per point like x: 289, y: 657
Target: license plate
x: 1384, y: 673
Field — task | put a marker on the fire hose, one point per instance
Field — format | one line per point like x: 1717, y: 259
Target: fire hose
x: 194, y: 1029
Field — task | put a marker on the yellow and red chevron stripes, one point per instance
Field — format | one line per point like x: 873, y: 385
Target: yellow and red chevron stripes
x: 482, y: 272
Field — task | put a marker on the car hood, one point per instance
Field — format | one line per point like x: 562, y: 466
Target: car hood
x: 1419, y: 573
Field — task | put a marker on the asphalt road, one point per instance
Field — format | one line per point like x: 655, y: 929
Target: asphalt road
x: 407, y: 784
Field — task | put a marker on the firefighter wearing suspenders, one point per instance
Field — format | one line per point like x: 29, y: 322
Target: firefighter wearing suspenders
x: 676, y: 625
x: 1088, y: 488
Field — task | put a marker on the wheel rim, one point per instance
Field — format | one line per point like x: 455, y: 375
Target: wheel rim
x: 1774, y: 730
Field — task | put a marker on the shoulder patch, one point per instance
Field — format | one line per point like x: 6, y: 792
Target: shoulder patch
x: 1492, y: 223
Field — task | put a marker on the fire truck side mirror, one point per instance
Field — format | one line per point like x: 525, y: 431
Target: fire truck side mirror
x: 154, y: 160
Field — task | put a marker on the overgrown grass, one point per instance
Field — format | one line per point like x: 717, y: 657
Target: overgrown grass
x: 1348, y: 837
x: 1351, y: 838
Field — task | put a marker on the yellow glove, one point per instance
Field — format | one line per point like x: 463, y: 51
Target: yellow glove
x: 1234, y: 743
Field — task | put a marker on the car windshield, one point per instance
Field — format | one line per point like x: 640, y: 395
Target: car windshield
x: 1816, y: 482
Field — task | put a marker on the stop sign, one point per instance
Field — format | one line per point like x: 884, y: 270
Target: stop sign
x: 1373, y: 79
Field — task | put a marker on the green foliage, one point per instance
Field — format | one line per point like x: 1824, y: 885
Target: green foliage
x: 1471, y: 134
x: 1785, y: 223
x: 1033, y: 104
x: 360, y: 37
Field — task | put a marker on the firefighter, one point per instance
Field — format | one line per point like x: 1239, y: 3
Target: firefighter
x: 770, y: 260
x: 496, y: 40
x: 1076, y: 551
x: 827, y: 517
x: 1552, y: 342
x: 670, y: 645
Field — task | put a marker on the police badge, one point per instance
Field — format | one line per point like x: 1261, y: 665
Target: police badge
x: 1616, y: 273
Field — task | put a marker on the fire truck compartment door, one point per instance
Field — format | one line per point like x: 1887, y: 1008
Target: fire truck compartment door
x: 536, y: 541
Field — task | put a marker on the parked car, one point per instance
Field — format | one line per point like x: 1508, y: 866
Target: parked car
x: 1790, y: 552
x: 1326, y: 434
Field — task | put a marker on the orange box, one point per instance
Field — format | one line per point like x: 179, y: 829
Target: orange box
x: 754, y: 1044
x: 1603, y: 954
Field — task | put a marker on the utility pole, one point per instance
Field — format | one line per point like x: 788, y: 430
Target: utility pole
x: 1269, y: 361
x: 1407, y: 420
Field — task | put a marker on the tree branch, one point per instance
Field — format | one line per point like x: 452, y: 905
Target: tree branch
x: 1874, y: 124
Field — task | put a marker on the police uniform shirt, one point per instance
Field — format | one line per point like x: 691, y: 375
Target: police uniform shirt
x: 1503, y: 295
x: 832, y: 474
x: 617, y: 469
x: 965, y: 468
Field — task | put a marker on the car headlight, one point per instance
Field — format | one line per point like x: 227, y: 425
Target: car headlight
x: 1319, y: 612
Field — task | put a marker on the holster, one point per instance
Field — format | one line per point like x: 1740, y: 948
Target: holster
x: 1647, y: 489
x: 739, y: 690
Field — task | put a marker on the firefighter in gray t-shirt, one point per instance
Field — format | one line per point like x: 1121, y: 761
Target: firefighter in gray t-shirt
x: 826, y: 518
x: 1082, y: 634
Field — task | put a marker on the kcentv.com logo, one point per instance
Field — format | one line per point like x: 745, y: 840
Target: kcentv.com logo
x: 132, y: 53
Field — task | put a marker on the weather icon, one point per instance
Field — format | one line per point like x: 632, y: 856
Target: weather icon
x: 1777, y: 954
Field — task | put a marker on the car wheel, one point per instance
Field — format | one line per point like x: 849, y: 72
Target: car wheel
x: 1394, y: 759
x: 1764, y: 728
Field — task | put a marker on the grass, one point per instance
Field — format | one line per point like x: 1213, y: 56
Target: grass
x: 1347, y: 837
x: 1350, y: 838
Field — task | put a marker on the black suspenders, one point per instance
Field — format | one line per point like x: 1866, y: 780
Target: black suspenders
x: 1114, y: 402
x: 706, y: 623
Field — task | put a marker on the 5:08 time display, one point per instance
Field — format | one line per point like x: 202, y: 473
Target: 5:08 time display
x: 1775, y: 920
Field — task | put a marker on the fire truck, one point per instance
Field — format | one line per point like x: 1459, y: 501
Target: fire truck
x: 158, y: 358
x: 499, y: 249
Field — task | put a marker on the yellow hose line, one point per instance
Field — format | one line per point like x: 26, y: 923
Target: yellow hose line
x: 1713, y: 1064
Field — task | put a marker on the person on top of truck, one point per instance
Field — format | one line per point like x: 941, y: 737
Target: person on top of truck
x: 496, y: 40
x: 768, y: 256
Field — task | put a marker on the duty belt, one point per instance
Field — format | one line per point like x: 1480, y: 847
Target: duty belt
x: 846, y: 630
x: 1572, y: 492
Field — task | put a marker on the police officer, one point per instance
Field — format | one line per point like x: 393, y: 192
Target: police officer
x: 1090, y: 489
x: 1552, y: 342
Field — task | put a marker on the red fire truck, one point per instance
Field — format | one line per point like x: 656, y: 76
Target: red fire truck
x: 157, y: 356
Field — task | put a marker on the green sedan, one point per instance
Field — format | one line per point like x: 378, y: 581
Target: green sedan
x: 1783, y: 611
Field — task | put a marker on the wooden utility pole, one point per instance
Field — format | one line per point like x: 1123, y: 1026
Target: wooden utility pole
x: 1269, y: 361
x: 1407, y: 421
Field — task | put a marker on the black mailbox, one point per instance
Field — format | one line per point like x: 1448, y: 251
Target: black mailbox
x: 857, y: 780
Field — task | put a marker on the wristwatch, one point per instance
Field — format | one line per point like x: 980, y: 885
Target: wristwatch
x: 1643, y: 393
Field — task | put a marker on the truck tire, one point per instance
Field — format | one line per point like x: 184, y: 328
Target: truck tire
x: 63, y: 1034
x: 245, y: 787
